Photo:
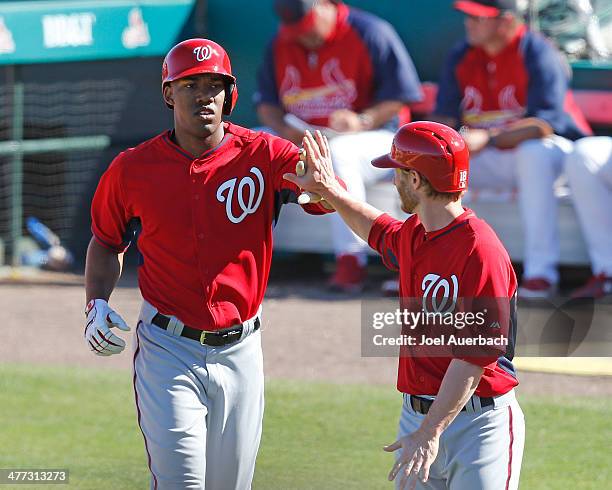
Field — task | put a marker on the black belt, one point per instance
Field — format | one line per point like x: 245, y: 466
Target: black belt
x: 215, y: 338
x: 422, y: 405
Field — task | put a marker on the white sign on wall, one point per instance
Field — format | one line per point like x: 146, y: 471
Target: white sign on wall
x: 63, y: 31
x: 7, y: 44
x: 136, y: 34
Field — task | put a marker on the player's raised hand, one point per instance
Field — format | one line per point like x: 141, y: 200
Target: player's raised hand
x: 316, y: 174
x: 100, y: 318
x: 300, y: 171
x: 418, y: 452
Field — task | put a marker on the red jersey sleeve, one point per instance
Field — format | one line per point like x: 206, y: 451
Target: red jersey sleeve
x: 384, y: 237
x: 109, y: 213
x: 487, y: 290
x: 284, y: 156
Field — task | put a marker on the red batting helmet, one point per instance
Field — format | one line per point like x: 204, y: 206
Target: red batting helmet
x: 434, y: 150
x: 197, y: 56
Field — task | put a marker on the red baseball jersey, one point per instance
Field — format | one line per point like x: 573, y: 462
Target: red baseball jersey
x: 206, y: 222
x: 362, y: 62
x: 528, y: 78
x: 465, y: 259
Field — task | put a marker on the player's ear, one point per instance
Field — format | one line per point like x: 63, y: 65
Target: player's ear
x: 168, y: 95
x: 415, y: 178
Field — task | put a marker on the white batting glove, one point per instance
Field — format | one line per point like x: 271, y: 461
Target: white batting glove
x: 100, y: 318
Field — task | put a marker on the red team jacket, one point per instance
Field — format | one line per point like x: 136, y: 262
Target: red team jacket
x: 206, y: 239
x: 468, y: 258
x: 361, y: 63
x: 528, y: 78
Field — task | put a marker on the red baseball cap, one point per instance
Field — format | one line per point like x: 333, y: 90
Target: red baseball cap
x: 489, y: 8
x: 297, y: 17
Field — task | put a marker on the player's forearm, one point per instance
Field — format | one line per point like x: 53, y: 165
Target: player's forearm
x: 381, y: 113
x: 459, y: 383
x: 523, y: 130
x: 102, y: 271
x: 358, y: 215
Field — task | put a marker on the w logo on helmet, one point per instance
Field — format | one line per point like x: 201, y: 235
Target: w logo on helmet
x: 203, y: 53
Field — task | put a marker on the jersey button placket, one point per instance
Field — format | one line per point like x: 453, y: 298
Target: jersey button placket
x: 198, y: 220
x: 195, y: 210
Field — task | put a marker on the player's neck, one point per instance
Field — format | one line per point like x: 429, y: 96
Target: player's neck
x: 196, y: 145
x: 435, y: 215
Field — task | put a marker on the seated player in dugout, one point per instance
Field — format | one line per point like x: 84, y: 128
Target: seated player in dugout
x: 507, y: 88
x: 347, y: 71
x: 207, y: 194
x: 589, y: 172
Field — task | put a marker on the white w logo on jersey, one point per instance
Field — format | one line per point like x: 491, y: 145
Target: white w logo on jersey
x: 438, y: 291
x: 251, y: 204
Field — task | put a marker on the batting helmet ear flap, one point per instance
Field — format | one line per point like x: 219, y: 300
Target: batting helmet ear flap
x: 231, y: 94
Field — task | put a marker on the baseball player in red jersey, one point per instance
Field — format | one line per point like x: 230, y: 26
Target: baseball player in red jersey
x: 207, y: 195
x: 461, y: 426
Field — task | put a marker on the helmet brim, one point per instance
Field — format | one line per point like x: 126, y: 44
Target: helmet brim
x: 198, y: 70
x: 385, y: 161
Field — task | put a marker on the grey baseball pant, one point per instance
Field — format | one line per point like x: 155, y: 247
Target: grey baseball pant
x: 200, y: 408
x: 481, y: 449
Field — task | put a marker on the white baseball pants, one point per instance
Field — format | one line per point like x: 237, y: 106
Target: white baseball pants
x: 200, y: 408
x: 533, y: 167
x: 482, y: 449
x: 352, y: 155
x: 589, y: 171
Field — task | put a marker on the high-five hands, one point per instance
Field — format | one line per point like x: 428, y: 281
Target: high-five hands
x: 300, y: 171
x: 314, y: 172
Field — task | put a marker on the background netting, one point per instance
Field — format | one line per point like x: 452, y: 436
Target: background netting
x: 54, y: 181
